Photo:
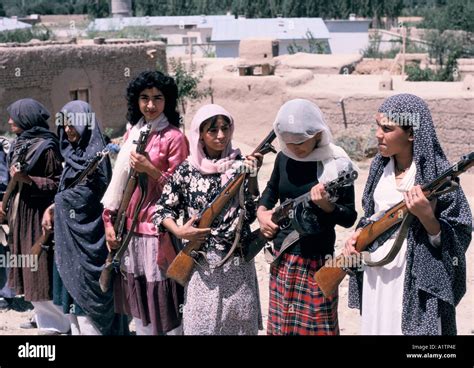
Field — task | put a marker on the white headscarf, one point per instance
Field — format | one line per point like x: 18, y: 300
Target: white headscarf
x: 113, y: 195
x: 299, y: 120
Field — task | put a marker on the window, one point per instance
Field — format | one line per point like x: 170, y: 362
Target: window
x: 186, y: 40
x: 79, y: 94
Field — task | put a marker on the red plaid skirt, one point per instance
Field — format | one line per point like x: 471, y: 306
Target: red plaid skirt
x: 297, y: 304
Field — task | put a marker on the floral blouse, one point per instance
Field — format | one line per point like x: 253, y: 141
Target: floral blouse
x: 188, y: 192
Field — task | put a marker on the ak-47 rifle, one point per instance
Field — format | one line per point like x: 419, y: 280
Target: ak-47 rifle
x: 182, y: 266
x: 329, y: 277
x: 13, y: 183
x: 134, y: 178
x: 40, y: 244
x: 292, y: 209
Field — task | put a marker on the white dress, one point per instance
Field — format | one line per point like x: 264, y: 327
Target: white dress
x: 382, y: 292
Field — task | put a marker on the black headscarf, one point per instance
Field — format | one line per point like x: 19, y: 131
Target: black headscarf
x: 435, y: 278
x: 32, y: 117
x: 80, y: 249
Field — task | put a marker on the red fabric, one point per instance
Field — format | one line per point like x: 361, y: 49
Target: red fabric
x: 297, y: 305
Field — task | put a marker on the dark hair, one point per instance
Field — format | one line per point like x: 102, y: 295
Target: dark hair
x: 407, y: 128
x: 150, y: 79
x: 213, y: 121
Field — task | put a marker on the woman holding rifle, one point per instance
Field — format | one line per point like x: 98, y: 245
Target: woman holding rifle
x: 79, y: 235
x: 152, y: 299
x: 38, y: 181
x: 308, y: 160
x: 219, y: 300
x: 417, y: 292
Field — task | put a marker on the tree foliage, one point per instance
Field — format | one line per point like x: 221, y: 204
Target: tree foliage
x: 187, y: 79
x: 439, y: 14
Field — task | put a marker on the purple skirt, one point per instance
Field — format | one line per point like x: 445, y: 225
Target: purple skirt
x: 143, y: 291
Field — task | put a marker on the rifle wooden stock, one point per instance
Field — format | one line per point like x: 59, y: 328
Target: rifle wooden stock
x: 121, y: 219
x: 7, y: 196
x: 181, y: 267
x: 105, y: 278
x: 37, y: 248
x: 12, y: 184
x: 330, y: 276
x: 115, y: 255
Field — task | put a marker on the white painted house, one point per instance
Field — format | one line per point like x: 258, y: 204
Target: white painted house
x: 348, y: 36
x: 9, y: 24
x: 221, y: 34
x: 226, y: 34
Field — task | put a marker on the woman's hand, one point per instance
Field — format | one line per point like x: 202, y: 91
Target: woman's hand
x: 140, y: 163
x: 19, y: 175
x: 110, y: 238
x: 267, y: 227
x: 253, y: 163
x: 47, y: 222
x: 320, y: 197
x: 419, y: 206
x: 191, y: 233
x: 349, y: 246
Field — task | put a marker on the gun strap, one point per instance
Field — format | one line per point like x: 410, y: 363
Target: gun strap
x: 402, y: 233
x: 120, y: 251
x: 272, y: 256
x: 238, y: 229
x: 397, y: 245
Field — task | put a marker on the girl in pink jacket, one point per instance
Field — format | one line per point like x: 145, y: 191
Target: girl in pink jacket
x: 143, y: 291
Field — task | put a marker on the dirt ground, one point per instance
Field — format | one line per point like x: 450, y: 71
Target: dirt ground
x: 349, y: 319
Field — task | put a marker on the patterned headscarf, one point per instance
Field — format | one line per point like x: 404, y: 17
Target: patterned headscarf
x: 435, y: 279
x: 79, y: 114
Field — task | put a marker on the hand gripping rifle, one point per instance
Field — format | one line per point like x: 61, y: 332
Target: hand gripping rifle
x: 134, y: 178
x: 182, y: 266
x: 13, y: 184
x: 329, y: 277
x: 293, y: 211
x: 93, y: 164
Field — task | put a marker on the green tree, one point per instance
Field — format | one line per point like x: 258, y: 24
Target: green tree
x: 98, y: 8
x: 187, y: 79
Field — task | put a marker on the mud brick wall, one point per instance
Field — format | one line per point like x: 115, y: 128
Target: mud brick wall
x: 49, y: 73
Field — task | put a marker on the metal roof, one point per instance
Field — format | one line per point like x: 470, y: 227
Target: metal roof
x: 8, y: 24
x: 117, y: 24
x: 277, y: 28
